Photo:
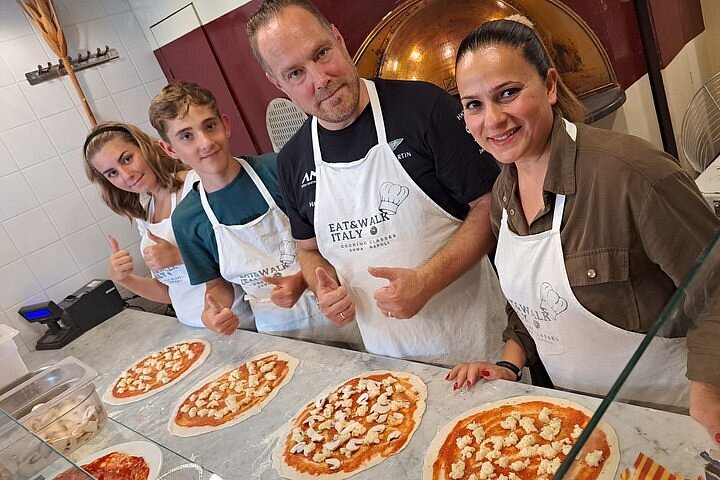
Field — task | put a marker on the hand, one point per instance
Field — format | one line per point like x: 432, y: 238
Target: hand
x: 287, y: 289
x: 705, y: 407
x: 406, y: 294
x: 334, y: 301
x: 217, y: 318
x: 120, y: 263
x: 161, y: 255
x: 469, y: 373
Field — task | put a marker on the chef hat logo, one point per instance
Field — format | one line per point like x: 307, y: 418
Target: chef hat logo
x: 288, y: 252
x: 391, y: 196
x: 551, y: 303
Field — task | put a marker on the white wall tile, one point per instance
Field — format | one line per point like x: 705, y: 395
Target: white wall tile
x: 97, y: 270
x: 18, y: 284
x: 91, y: 83
x: 75, y: 164
x: 23, y: 55
x: 66, y: 130
x: 105, y: 110
x: 154, y: 87
x: 28, y: 144
x: 47, y: 98
x: 13, y: 23
x: 49, y: 180
x: 16, y: 109
x: 52, y: 264
x: 7, y: 164
x: 88, y: 246
x: 91, y: 35
x: 69, y: 214
x: 129, y: 30
x: 82, y: 10
x: 6, y: 77
x: 133, y: 104
x: 59, y: 291
x: 31, y: 231
x: 125, y: 232
x: 116, y: 6
x: 146, y: 64
x: 92, y: 197
x: 149, y: 129
x: 15, y: 196
x: 8, y: 252
x: 119, y: 74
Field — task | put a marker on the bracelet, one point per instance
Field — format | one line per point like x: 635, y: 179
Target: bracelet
x: 512, y: 367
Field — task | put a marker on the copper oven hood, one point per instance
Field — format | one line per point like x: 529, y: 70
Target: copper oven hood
x: 418, y: 41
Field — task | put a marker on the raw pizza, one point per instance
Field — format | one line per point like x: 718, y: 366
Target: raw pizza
x: 157, y: 371
x: 352, y: 427
x: 113, y: 466
x: 520, y: 438
x: 231, y: 396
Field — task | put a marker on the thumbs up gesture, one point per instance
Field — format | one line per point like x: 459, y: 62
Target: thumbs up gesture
x: 334, y: 301
x: 217, y: 318
x: 404, y: 296
x: 120, y: 263
x: 287, y: 290
x: 161, y: 255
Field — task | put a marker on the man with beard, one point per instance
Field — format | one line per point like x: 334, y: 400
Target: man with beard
x: 387, y: 196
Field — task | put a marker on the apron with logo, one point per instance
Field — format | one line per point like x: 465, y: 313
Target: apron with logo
x: 187, y: 300
x: 265, y: 246
x: 370, y: 212
x: 579, y: 350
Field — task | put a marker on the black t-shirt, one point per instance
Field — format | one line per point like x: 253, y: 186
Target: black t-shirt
x: 425, y: 129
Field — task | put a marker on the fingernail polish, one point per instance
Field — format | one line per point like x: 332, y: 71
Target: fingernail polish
x: 447, y: 377
x: 717, y: 437
x: 455, y: 387
x: 485, y: 373
x: 469, y: 384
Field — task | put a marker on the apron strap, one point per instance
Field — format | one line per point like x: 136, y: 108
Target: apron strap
x: 258, y: 183
x: 558, y: 213
x: 206, y: 206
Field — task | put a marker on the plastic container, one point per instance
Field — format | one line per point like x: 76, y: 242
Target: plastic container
x: 59, y: 404
x: 12, y: 365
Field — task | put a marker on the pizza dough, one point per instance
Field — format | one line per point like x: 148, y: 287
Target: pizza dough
x: 351, y: 427
x: 229, y: 396
x: 157, y: 371
x: 524, y: 437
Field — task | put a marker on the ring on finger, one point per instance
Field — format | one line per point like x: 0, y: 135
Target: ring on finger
x: 342, y: 315
x: 390, y: 315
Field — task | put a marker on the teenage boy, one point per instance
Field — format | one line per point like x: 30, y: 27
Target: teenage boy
x: 229, y: 228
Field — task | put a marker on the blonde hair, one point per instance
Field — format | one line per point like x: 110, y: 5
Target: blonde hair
x: 164, y: 167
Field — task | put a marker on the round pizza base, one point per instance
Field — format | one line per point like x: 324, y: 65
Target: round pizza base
x: 110, y: 399
x: 182, y: 431
x: 610, y: 464
x: 286, y: 471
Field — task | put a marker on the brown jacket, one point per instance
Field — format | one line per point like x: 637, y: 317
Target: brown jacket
x: 634, y: 224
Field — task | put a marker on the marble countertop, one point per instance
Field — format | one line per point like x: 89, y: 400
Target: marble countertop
x: 243, y: 451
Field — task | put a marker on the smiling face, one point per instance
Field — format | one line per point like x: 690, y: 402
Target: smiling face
x: 311, y: 65
x: 122, y: 164
x: 507, y: 104
x: 201, y: 140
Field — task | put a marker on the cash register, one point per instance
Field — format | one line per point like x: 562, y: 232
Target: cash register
x: 75, y: 314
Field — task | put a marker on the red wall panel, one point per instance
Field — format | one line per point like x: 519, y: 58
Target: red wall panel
x: 191, y: 58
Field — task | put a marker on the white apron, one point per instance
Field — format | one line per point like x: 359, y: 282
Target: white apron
x: 369, y: 212
x: 265, y: 246
x: 187, y: 300
x: 579, y: 350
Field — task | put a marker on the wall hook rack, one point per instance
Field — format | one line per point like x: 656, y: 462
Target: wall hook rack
x: 81, y: 62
